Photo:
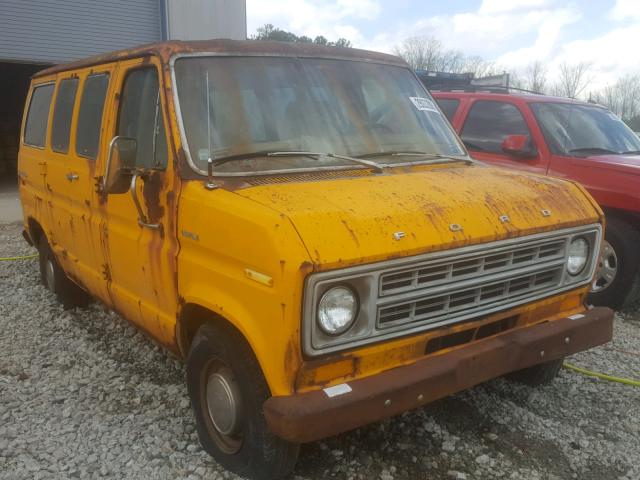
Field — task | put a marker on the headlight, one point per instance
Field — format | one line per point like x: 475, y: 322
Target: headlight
x: 578, y: 256
x: 337, y: 310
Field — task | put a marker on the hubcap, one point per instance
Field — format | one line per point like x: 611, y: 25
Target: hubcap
x: 50, y: 275
x: 224, y: 406
x: 607, y: 268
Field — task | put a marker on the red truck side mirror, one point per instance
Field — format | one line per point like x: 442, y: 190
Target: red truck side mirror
x: 518, y: 146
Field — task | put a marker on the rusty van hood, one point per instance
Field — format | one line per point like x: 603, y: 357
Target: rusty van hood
x: 349, y: 221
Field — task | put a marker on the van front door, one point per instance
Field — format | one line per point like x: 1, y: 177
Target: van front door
x: 138, y: 237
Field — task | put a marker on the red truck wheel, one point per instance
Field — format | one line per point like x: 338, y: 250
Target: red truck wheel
x: 617, y: 281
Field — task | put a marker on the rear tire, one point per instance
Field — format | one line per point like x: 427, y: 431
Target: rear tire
x: 53, y: 277
x: 227, y: 390
x: 537, y: 375
x: 617, y: 282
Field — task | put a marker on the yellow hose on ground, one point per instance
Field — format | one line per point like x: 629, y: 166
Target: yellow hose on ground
x: 610, y: 378
x: 22, y: 257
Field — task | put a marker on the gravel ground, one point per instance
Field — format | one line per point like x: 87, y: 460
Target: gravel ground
x: 85, y: 395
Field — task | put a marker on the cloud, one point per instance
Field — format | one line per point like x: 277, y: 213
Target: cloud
x: 487, y: 30
x: 612, y: 54
x: 549, y: 31
x: 512, y: 33
x: 501, y: 6
x: 332, y: 18
x: 625, y: 9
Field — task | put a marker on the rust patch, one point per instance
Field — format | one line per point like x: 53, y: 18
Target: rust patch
x: 351, y: 232
x: 306, y: 267
x: 152, y: 185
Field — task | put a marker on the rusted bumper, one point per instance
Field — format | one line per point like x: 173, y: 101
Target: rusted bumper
x: 311, y: 416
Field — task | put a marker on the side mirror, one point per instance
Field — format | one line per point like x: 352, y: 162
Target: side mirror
x: 120, y: 167
x: 519, y: 146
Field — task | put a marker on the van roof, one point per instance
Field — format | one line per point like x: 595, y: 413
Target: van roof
x: 165, y: 50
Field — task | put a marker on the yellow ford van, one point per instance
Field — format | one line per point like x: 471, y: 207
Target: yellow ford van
x: 303, y: 227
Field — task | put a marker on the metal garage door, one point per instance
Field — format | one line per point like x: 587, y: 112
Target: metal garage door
x: 54, y: 31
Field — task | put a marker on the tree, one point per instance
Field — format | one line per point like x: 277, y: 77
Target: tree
x: 270, y: 32
x: 421, y: 53
x: 573, y: 79
x: 622, y: 98
x: 536, y: 77
x: 428, y: 53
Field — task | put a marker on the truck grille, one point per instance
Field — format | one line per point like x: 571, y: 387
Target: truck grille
x: 434, y: 307
x: 449, y: 271
x: 437, y: 291
x: 405, y: 296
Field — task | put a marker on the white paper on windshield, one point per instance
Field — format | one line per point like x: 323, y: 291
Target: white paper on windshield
x: 424, y: 104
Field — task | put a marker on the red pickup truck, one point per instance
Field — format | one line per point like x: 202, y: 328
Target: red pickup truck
x: 570, y: 139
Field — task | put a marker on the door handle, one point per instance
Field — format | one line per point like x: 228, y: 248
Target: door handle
x: 72, y: 176
x: 142, y: 218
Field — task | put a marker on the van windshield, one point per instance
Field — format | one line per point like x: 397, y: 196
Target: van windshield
x: 237, y: 106
x: 583, y: 130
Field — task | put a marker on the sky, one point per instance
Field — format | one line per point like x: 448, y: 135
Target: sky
x: 511, y: 33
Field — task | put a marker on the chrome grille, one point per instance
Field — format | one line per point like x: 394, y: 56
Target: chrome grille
x: 435, y: 307
x: 489, y: 263
x: 409, y: 295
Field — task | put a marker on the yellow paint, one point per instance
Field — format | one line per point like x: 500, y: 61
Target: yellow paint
x: 249, y: 250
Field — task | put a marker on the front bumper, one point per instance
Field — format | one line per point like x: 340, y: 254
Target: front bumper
x: 311, y: 416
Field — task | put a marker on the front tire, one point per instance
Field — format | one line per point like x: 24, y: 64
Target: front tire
x: 53, y: 277
x: 227, y: 390
x: 617, y: 281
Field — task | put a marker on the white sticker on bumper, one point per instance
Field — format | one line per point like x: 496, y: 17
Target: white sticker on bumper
x: 337, y: 390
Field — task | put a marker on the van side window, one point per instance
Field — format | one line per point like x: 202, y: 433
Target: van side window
x: 90, y: 117
x: 140, y: 117
x: 35, y: 130
x: 62, y: 113
x: 489, y: 123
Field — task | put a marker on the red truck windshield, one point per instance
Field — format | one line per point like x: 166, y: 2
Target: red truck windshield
x: 583, y: 130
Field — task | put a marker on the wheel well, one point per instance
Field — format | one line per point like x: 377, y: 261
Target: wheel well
x: 35, y: 231
x: 192, y: 317
x: 631, y: 218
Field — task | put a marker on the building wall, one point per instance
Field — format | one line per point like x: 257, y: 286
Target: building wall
x: 205, y: 19
x: 54, y: 31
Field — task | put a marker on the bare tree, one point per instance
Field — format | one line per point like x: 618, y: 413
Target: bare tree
x: 480, y: 67
x: 428, y: 53
x: 421, y: 53
x: 573, y: 79
x: 622, y: 98
x: 536, y: 77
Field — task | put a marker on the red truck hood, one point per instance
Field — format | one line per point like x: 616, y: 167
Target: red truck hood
x: 625, y: 163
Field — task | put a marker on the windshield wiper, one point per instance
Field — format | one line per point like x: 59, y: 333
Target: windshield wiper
x: 286, y: 153
x: 593, y: 150
x: 262, y: 153
x: 631, y: 152
x: 376, y: 166
x: 397, y: 153
x: 411, y: 153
